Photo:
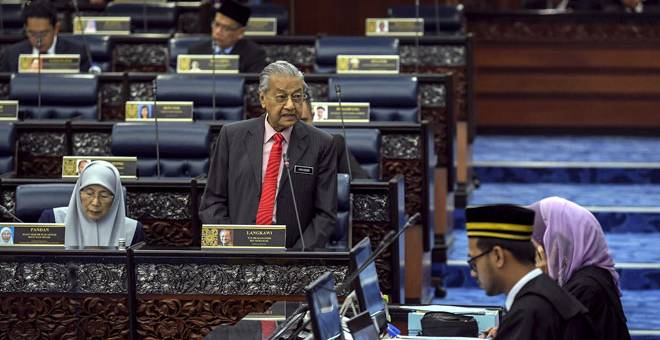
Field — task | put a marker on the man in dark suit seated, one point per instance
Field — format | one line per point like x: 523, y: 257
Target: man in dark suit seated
x: 41, y: 28
x: 228, y: 33
x: 248, y: 182
x: 343, y: 161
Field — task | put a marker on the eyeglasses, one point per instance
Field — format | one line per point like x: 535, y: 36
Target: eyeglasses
x: 102, y: 196
x: 223, y: 28
x: 41, y: 34
x: 472, y: 261
x: 283, y: 98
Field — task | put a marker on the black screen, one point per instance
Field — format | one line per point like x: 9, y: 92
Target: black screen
x: 324, y: 308
x: 366, y: 287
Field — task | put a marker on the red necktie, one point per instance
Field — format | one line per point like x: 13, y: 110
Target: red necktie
x: 267, y: 328
x: 269, y: 187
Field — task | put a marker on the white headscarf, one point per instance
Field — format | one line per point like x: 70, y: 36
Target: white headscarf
x: 81, y: 231
x: 2, y: 241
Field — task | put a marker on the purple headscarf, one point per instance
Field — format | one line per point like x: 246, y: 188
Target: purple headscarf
x: 572, y: 238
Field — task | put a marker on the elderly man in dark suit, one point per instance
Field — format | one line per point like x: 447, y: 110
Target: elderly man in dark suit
x: 228, y: 33
x: 248, y: 182
x: 41, y: 27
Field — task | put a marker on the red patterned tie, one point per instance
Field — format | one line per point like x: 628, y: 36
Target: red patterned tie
x: 269, y: 187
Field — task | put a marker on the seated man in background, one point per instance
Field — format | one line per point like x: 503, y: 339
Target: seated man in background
x: 228, y: 33
x: 340, y: 144
x: 41, y: 27
x: 502, y: 260
x: 248, y: 182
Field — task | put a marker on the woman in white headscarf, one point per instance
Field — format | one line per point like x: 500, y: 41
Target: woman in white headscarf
x: 6, y: 237
x: 96, y: 215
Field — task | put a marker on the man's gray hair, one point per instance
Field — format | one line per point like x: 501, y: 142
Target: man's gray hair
x: 277, y: 68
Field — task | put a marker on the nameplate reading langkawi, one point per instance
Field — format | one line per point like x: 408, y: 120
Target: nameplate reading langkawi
x: 203, y: 63
x: 261, y: 27
x: 72, y: 166
x: 166, y: 111
x: 101, y: 25
x: 394, y: 26
x: 234, y: 236
x: 32, y: 234
x: 8, y: 109
x: 50, y: 63
x: 328, y: 112
x: 368, y: 64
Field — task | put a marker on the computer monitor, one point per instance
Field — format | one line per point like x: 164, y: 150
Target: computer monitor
x: 324, y: 308
x: 366, y: 286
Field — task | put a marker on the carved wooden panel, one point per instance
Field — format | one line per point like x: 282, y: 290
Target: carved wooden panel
x: 168, y: 233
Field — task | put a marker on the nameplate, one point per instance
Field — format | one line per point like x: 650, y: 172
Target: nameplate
x: 101, y: 25
x: 50, y: 63
x: 327, y: 112
x: 368, y: 64
x: 204, y: 63
x: 394, y: 27
x: 261, y: 27
x: 8, y: 109
x: 32, y: 234
x: 72, y: 166
x: 166, y: 111
x: 139, y: 1
x: 243, y: 236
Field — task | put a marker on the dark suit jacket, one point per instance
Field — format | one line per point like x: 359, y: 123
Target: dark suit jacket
x: 10, y: 58
x: 233, y: 188
x: 342, y: 163
x: 251, y: 57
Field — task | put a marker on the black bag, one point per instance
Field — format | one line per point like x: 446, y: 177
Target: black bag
x: 449, y: 324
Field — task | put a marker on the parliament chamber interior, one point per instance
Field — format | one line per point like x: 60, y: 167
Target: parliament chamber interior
x: 271, y: 169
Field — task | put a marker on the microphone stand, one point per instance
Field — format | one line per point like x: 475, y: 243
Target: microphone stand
x: 155, y: 111
x: 293, y: 195
x: 145, y: 26
x: 82, y: 33
x: 343, y: 130
x: 6, y: 211
x: 39, y: 43
x: 417, y: 36
x: 215, y: 115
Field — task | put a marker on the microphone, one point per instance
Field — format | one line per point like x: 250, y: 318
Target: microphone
x: 39, y: 43
x: 93, y: 68
x: 155, y: 112
x: 417, y: 36
x: 7, y: 212
x: 343, y: 131
x: 215, y: 114
x: 293, y: 195
x: 345, y: 286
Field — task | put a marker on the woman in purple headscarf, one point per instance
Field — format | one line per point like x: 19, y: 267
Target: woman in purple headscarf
x: 571, y: 248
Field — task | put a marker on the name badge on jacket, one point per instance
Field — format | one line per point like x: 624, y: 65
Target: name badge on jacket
x: 304, y: 170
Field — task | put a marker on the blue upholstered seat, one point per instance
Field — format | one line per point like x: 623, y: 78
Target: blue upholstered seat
x: 391, y: 98
x: 327, y: 49
x: 339, y: 238
x: 62, y: 96
x: 100, y: 47
x: 447, y: 19
x: 32, y: 199
x: 161, y: 17
x: 12, y: 20
x: 182, y: 42
x: 7, y: 147
x: 272, y: 11
x: 364, y: 144
x: 199, y: 88
x: 184, y: 147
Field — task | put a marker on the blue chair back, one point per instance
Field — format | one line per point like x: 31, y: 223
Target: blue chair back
x: 327, y: 49
x: 32, y: 199
x: 229, y: 94
x: 100, y: 47
x: 181, y: 43
x: 62, y: 96
x: 161, y: 17
x: 364, y: 144
x: 273, y: 11
x: 184, y: 147
x: 7, y: 147
x: 339, y: 237
x: 391, y: 98
x: 12, y: 20
x: 447, y: 19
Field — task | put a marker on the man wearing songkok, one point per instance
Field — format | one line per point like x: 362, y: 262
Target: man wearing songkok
x: 228, y: 33
x: 248, y: 182
x: 502, y: 260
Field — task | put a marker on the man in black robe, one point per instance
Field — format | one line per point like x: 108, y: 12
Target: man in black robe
x: 228, y: 33
x: 502, y: 260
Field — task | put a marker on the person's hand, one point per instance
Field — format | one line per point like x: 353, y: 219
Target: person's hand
x: 539, y: 257
x: 631, y: 3
x: 489, y: 333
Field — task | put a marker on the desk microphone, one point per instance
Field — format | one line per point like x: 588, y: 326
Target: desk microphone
x: 293, y: 195
x: 155, y: 111
x: 417, y: 36
x: 344, y: 287
x: 343, y: 131
x: 92, y: 68
x: 39, y: 43
x: 6, y: 211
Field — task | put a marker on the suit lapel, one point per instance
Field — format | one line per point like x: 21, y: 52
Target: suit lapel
x: 254, y: 140
x: 297, y: 148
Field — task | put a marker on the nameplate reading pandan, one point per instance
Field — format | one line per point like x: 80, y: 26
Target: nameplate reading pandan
x: 101, y: 25
x: 328, y: 112
x: 8, y: 109
x: 368, y: 64
x: 234, y: 236
x: 50, y: 63
x: 32, y: 234
x: 166, y: 111
x: 73, y: 165
x: 261, y: 27
x: 204, y: 63
x: 394, y: 27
